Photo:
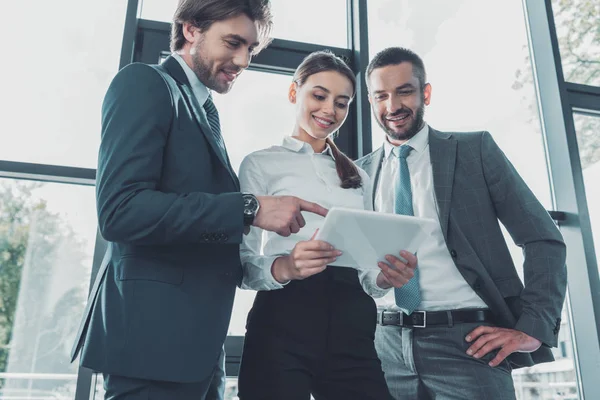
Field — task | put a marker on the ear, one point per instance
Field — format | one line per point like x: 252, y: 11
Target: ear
x: 189, y: 32
x: 427, y: 94
x: 292, y: 92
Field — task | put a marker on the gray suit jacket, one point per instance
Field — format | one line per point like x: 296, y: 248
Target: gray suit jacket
x: 169, y: 204
x: 476, y: 187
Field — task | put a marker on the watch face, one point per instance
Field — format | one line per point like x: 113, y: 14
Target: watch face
x: 250, y: 204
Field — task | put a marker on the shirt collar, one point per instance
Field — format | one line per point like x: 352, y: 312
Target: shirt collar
x: 297, y: 145
x: 198, y: 88
x: 418, y: 142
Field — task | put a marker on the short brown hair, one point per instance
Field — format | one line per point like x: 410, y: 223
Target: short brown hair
x: 203, y: 13
x: 395, y: 56
x: 321, y: 61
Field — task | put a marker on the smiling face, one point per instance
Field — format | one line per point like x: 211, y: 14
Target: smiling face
x: 322, y: 103
x: 222, y: 52
x: 398, y: 100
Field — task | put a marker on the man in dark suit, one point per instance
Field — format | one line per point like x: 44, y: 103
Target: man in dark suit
x: 453, y: 324
x: 169, y: 205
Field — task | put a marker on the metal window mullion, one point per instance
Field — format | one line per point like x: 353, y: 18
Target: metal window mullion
x: 47, y: 173
x: 583, y: 97
x: 359, y: 45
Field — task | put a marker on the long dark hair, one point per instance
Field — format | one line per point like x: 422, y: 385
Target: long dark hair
x: 321, y: 61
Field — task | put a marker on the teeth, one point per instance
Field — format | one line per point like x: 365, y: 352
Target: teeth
x: 323, y: 121
x: 397, y: 118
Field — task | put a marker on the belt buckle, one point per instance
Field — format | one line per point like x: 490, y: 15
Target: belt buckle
x: 391, y: 315
x: 424, y: 313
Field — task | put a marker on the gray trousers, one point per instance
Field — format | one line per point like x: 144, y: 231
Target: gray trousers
x: 432, y: 363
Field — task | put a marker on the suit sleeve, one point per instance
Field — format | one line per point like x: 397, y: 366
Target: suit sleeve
x: 534, y: 231
x: 137, y: 115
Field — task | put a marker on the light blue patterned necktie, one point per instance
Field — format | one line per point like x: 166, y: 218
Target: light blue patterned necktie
x: 408, y: 297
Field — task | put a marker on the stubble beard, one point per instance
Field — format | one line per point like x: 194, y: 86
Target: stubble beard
x: 413, y: 129
x: 203, y: 70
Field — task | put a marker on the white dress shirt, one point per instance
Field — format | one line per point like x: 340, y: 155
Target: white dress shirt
x: 290, y: 169
x: 198, y: 88
x: 442, y: 285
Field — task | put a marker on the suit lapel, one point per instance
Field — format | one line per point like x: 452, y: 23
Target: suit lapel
x: 442, y: 149
x: 175, y: 70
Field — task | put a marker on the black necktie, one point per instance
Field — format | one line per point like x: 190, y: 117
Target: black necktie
x: 215, y: 126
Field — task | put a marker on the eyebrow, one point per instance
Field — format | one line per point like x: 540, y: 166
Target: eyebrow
x: 328, y: 91
x: 405, y: 86
x: 239, y: 39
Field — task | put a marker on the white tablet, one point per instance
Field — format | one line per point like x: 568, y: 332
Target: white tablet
x: 366, y: 237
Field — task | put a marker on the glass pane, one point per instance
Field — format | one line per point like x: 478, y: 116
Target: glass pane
x: 484, y: 83
x: 588, y: 141
x: 327, y: 17
x: 485, y: 87
x: 578, y: 39
x: 47, y: 236
x: 249, y: 125
x: 52, y: 92
x: 311, y: 21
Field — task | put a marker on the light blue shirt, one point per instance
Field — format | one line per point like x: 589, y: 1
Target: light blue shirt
x: 198, y: 88
x: 442, y: 285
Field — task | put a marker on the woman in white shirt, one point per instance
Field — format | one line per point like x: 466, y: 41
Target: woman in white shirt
x: 311, y: 328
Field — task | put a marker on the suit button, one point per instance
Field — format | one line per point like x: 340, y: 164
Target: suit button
x: 477, y: 285
x: 453, y: 253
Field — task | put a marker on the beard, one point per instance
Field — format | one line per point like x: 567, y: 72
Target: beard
x: 203, y: 68
x: 411, y: 130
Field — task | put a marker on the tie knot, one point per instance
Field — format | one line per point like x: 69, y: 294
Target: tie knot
x: 403, y: 151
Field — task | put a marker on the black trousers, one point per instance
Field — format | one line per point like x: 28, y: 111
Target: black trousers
x: 315, y: 336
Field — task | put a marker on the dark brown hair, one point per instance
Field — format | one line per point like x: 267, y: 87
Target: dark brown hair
x: 203, y: 13
x: 395, y: 56
x: 321, y: 61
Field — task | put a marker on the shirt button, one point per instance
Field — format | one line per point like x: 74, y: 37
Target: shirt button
x: 453, y: 253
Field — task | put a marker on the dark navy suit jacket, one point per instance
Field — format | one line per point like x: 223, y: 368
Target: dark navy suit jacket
x: 169, y: 205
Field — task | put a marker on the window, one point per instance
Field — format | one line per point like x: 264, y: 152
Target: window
x: 52, y: 90
x: 255, y: 115
x: 578, y: 39
x: 311, y: 21
x: 47, y: 236
x: 480, y: 81
x: 481, y: 77
x: 588, y: 141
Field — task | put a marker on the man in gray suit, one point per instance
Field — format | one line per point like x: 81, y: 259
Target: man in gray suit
x: 170, y: 207
x: 454, y: 324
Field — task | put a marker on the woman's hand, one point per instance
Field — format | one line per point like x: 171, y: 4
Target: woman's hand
x: 306, y: 259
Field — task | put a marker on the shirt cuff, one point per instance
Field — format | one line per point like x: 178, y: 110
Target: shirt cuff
x: 369, y: 283
x: 270, y: 280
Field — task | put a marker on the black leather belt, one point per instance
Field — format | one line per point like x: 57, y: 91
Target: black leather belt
x: 423, y: 319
